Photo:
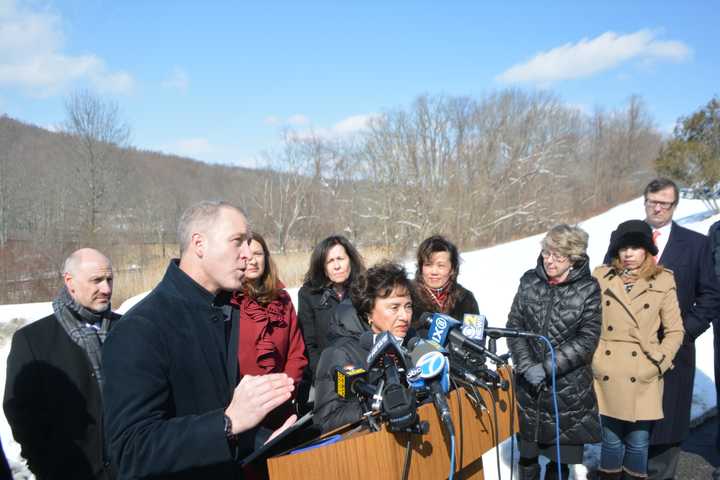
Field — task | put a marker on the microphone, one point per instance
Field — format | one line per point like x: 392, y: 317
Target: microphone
x: 434, y: 370
x: 352, y: 381
x: 459, y: 368
x: 397, y: 402
x: 493, y: 332
x: 473, y: 326
x: 444, y: 327
x: 384, y: 344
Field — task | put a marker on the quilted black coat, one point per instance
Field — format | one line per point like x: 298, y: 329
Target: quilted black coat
x: 569, y: 315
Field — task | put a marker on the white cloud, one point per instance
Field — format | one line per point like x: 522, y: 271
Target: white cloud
x: 296, y: 120
x: 346, y: 126
x: 353, y: 124
x: 177, y: 80
x: 589, y: 57
x: 32, y: 56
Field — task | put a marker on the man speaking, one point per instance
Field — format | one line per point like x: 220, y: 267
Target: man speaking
x: 172, y: 408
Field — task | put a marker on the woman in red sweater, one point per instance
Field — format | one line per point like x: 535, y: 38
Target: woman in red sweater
x: 270, y: 340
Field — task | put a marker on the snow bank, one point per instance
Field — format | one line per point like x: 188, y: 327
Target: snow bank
x: 493, y: 275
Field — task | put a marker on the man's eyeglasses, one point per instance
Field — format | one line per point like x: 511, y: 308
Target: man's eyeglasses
x: 555, y: 256
x: 663, y: 205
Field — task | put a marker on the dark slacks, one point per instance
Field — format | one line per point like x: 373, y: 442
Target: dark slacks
x: 663, y: 461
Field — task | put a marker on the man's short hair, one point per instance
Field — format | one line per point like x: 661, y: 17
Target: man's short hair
x: 199, y: 217
x: 72, y: 262
x: 662, y: 183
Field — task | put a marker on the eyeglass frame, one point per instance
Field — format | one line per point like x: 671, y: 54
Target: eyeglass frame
x: 554, y: 255
x: 663, y: 205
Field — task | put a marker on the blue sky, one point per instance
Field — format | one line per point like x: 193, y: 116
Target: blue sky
x: 218, y: 81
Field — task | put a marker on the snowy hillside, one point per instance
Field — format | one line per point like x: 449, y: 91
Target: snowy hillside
x: 492, y: 274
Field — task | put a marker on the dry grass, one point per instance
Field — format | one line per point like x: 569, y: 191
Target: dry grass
x: 138, y: 268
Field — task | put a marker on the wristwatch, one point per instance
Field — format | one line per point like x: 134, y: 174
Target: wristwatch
x: 228, y: 427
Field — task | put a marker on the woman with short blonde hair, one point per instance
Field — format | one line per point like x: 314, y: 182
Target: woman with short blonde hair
x: 559, y: 300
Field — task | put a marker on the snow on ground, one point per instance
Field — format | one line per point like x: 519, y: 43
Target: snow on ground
x: 493, y: 275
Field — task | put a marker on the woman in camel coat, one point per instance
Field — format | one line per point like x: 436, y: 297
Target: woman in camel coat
x: 641, y: 332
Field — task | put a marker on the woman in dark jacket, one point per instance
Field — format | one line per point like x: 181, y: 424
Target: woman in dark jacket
x: 438, y: 267
x: 333, y: 265
x: 560, y: 300
x: 380, y: 301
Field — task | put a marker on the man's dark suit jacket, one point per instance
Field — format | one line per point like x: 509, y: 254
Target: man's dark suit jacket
x: 53, y: 404
x: 169, y: 375
x: 688, y: 255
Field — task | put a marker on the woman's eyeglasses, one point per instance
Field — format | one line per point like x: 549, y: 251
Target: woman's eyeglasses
x: 555, y: 256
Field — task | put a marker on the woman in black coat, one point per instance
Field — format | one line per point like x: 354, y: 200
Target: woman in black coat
x: 559, y: 300
x: 381, y: 300
x: 436, y: 285
x: 334, y: 264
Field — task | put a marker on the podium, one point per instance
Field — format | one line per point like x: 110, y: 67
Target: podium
x: 363, y: 455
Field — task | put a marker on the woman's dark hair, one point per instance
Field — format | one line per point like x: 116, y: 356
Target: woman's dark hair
x: 315, y: 276
x: 378, y: 281
x: 266, y: 288
x: 434, y: 244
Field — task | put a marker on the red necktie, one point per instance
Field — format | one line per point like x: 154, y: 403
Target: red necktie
x: 656, y: 234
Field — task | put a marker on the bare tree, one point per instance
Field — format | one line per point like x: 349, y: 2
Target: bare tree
x: 98, y: 136
x: 7, y: 138
x: 283, y: 200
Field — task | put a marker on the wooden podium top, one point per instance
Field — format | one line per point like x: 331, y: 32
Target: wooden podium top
x: 367, y: 455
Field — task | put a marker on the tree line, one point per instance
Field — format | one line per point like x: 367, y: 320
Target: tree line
x: 479, y: 170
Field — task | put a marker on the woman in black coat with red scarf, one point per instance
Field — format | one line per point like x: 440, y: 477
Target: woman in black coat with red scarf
x: 437, y: 288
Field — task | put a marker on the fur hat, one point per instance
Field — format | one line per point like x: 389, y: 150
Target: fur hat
x: 633, y: 233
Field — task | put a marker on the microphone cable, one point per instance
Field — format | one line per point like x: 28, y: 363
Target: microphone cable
x: 555, y: 404
x: 458, y: 398
x: 496, y: 433
x: 512, y: 421
x: 451, y: 476
x: 408, y: 456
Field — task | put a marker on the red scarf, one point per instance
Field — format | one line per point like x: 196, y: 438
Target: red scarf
x: 264, y: 320
x: 439, y: 296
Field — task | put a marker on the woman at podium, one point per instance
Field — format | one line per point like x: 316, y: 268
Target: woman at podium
x: 380, y: 300
x: 559, y: 300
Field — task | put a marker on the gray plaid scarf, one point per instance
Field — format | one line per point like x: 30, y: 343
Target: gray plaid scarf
x: 86, y: 328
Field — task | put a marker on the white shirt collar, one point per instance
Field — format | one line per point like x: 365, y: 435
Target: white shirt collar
x: 662, y: 240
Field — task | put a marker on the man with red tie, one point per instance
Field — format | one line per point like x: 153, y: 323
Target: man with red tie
x: 688, y: 255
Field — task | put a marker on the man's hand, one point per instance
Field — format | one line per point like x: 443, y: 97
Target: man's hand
x: 255, y: 397
x: 288, y: 423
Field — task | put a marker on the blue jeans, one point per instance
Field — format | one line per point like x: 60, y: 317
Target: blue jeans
x: 624, y: 444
